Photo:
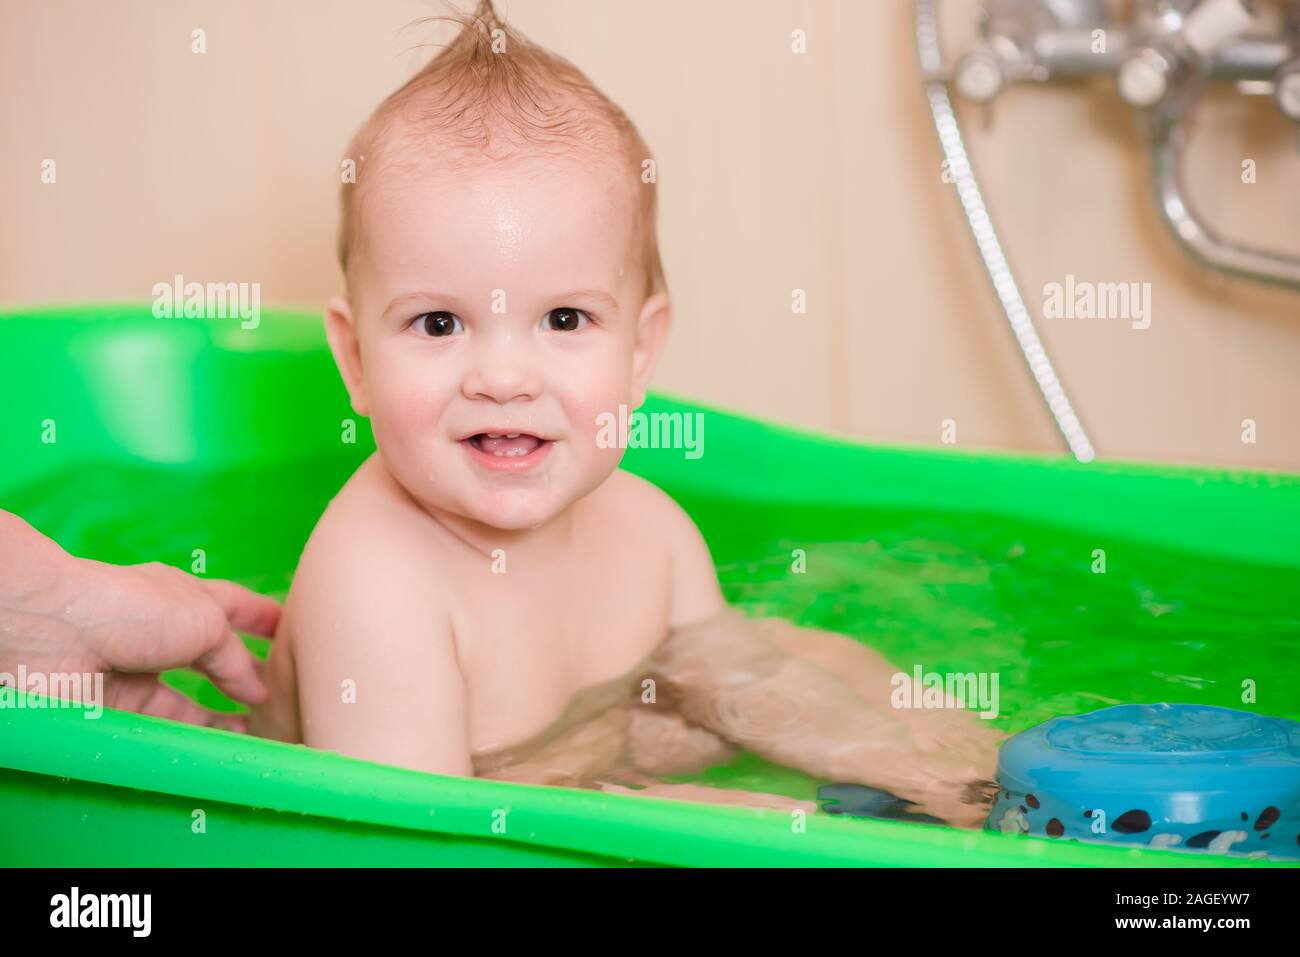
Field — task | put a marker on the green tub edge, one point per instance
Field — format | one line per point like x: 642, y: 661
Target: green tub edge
x: 126, y: 754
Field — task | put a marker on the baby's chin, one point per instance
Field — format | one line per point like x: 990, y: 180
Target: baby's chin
x: 523, y: 506
x: 506, y: 509
x: 522, y: 512
x: 504, y: 501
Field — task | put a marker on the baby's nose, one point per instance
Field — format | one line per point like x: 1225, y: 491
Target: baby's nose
x: 503, y: 373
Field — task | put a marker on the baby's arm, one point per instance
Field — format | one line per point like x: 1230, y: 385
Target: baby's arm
x: 374, y: 654
x: 732, y: 675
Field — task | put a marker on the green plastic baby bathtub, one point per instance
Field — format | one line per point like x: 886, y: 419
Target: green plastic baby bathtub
x: 130, y: 438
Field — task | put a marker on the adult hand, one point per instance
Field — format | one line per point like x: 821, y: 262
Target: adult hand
x: 60, y: 614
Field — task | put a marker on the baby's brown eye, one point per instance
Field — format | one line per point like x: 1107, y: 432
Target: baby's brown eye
x: 438, y: 323
x: 565, y: 319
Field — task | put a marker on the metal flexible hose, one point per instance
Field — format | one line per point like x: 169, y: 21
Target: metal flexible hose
x: 986, y: 237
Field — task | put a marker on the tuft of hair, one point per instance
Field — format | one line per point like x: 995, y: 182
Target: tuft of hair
x: 492, y: 94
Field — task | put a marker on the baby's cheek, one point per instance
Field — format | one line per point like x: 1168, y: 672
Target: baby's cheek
x: 404, y: 400
x: 595, y: 419
x: 419, y: 408
x: 599, y: 396
x: 404, y: 416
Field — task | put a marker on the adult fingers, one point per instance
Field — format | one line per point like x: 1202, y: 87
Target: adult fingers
x: 170, y: 703
x: 246, y: 610
x: 145, y: 694
x: 233, y: 669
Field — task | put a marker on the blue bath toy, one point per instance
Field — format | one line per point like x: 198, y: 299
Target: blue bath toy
x: 1180, y: 776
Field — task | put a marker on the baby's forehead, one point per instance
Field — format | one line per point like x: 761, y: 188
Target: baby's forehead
x: 456, y: 186
x: 526, y: 218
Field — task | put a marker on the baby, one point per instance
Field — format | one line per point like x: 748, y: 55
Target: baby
x: 489, y: 594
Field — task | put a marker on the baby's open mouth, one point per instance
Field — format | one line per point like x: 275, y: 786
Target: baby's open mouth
x: 506, y: 444
x: 508, y: 452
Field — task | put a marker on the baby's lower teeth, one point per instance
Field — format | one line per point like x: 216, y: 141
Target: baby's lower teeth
x: 509, y: 452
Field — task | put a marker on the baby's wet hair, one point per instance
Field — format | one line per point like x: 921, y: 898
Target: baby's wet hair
x: 493, y: 95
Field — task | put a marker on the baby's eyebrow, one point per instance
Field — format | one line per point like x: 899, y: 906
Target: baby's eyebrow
x: 422, y: 296
x: 604, y: 298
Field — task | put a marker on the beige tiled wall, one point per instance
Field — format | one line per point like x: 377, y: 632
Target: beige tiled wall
x: 779, y: 172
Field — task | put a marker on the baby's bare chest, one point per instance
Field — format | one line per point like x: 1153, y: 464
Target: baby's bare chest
x: 528, y: 644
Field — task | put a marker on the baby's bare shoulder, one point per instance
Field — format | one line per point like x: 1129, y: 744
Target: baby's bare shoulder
x: 369, y: 537
x: 368, y: 617
x: 695, y: 590
x: 370, y: 515
x: 642, y: 502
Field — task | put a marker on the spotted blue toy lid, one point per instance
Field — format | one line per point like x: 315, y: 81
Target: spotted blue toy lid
x: 1165, y: 749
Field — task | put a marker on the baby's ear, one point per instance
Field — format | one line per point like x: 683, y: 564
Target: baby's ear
x: 653, y: 326
x: 340, y: 330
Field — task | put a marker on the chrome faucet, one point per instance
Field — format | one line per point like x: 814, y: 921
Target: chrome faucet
x: 1162, y: 56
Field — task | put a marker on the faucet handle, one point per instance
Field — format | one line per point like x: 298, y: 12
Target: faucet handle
x: 1212, y: 23
x: 1286, y: 89
x: 979, y: 75
x: 1144, y: 76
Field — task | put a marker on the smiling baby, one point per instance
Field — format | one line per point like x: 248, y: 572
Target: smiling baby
x: 489, y: 594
